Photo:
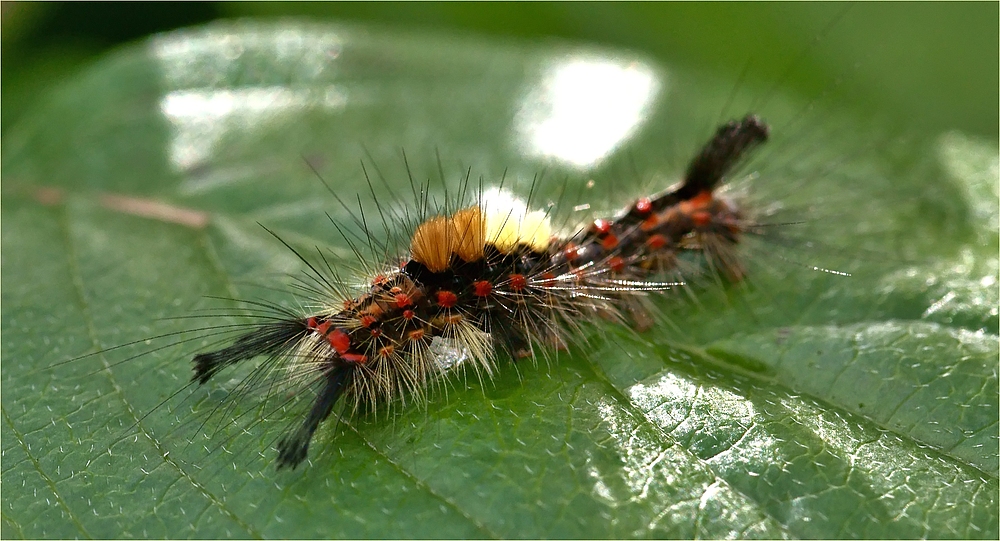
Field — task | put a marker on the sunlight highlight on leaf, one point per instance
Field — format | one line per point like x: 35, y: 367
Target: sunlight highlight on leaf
x: 583, y: 108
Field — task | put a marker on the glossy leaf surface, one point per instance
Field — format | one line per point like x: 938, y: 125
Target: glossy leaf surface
x: 799, y: 403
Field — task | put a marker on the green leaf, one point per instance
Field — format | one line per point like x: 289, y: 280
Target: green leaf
x: 798, y: 403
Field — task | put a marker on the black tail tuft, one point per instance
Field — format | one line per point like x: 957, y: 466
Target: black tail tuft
x: 207, y: 364
x: 266, y: 339
x: 732, y: 142
x: 293, y: 448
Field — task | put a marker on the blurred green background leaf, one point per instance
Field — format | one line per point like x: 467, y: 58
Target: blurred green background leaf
x: 861, y: 407
x: 933, y: 65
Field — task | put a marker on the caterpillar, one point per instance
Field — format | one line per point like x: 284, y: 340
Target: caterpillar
x: 494, y: 278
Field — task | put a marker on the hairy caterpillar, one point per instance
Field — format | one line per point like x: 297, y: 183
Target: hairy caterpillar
x: 493, y: 277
